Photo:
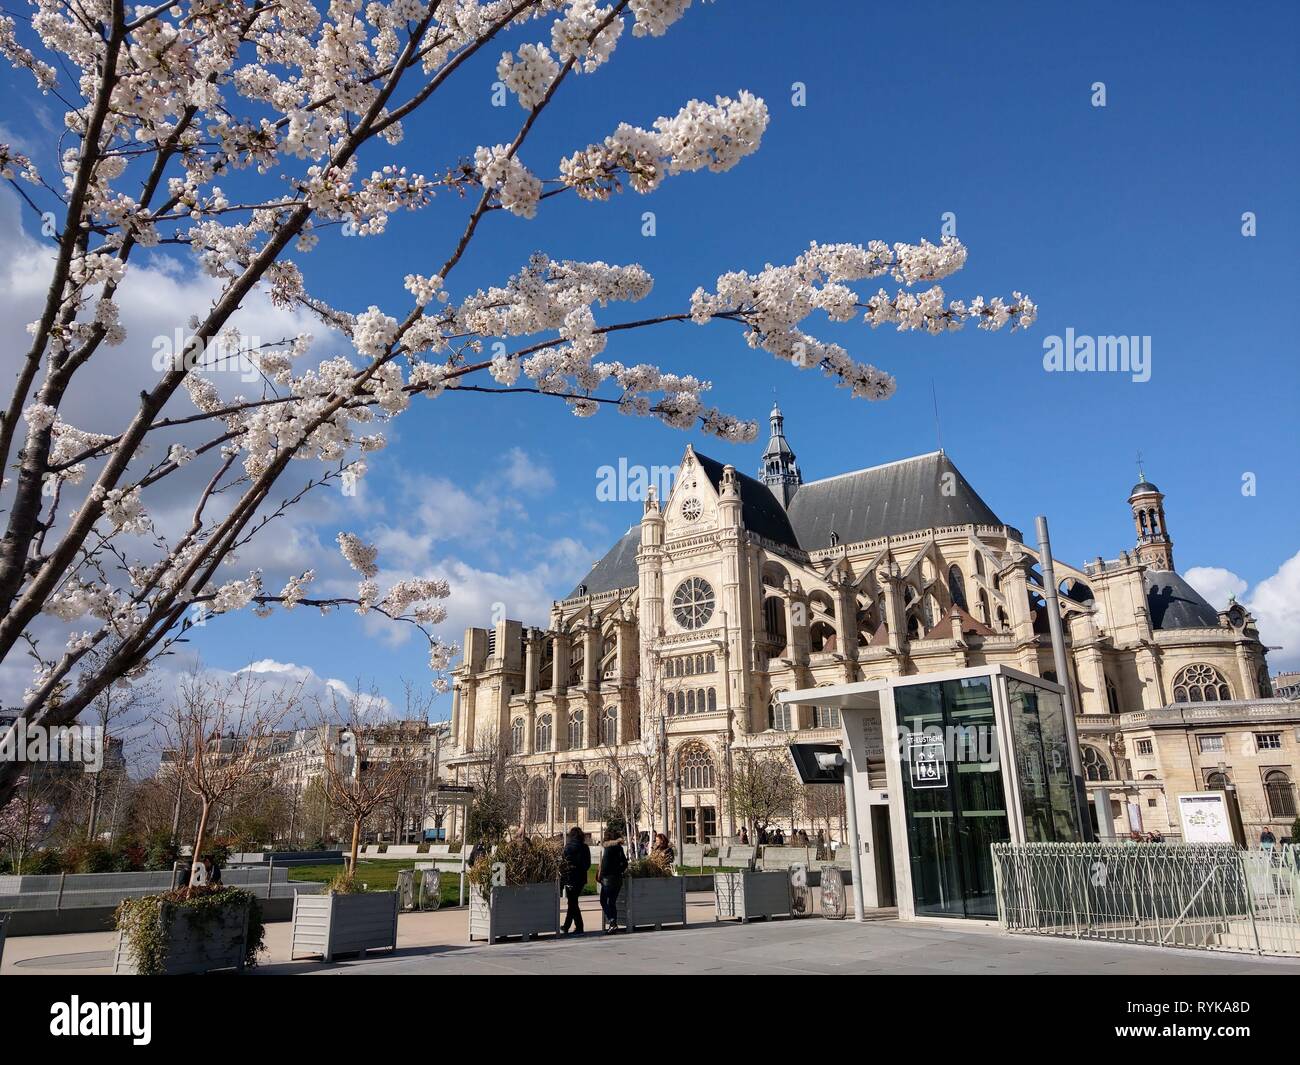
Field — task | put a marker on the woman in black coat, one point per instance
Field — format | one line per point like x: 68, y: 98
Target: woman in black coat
x: 613, y: 864
x: 577, y: 860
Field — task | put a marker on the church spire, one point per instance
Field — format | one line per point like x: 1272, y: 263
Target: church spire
x: 780, y: 471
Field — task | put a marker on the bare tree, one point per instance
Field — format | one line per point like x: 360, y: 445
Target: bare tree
x: 219, y: 730
x: 366, y: 766
x: 497, y: 802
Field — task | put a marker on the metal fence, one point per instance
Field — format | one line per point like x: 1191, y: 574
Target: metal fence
x: 1210, y: 897
x: 67, y: 891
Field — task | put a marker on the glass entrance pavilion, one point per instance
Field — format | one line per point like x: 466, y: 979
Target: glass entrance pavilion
x: 939, y: 742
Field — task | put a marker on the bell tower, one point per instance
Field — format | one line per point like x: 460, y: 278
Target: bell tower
x: 1154, y: 547
x: 780, y: 471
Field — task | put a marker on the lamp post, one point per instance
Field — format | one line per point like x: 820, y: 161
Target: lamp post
x: 1063, y: 674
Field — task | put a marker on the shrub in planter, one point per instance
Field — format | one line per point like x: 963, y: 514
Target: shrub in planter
x: 344, y: 920
x: 529, y: 901
x: 651, y: 895
x: 188, y: 931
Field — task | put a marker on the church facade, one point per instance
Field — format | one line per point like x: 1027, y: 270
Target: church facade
x: 667, y: 659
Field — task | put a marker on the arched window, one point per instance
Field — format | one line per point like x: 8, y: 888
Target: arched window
x: 1281, y: 795
x: 512, y: 797
x: 544, y: 724
x: 517, y: 736
x: 690, y: 665
x: 774, y: 619
x: 710, y: 664
x: 536, y: 800
x: 1216, y: 781
x: 609, y: 726
x: 598, y: 795
x: 1112, y: 697
x: 697, y: 768
x: 778, y: 714
x: 956, y: 587
x: 690, y: 701
x: 576, y: 740
x: 1094, y: 765
x: 1200, y: 683
x: 713, y: 699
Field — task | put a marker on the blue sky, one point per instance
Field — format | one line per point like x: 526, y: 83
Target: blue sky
x: 1117, y: 220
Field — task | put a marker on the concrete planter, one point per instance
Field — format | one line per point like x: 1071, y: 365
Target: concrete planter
x: 652, y: 902
x: 515, y: 910
x: 195, y: 946
x: 344, y: 924
x: 750, y: 895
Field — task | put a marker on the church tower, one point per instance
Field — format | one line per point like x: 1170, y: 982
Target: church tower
x: 1154, y: 548
x: 780, y: 471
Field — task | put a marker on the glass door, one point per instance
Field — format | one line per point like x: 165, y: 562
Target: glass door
x: 953, y: 801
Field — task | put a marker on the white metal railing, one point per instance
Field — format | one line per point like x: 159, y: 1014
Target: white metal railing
x: 1206, y: 896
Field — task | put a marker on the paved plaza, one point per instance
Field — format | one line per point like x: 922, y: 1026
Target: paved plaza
x: 435, y: 944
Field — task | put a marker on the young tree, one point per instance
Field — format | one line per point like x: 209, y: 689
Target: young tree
x: 366, y: 766
x: 258, y: 135
x: 762, y: 786
x: 219, y: 730
x: 496, y: 802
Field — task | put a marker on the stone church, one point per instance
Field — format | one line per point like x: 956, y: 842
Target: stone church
x: 735, y: 588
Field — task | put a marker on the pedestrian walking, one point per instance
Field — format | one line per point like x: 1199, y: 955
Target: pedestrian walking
x: 613, y: 864
x: 577, y: 860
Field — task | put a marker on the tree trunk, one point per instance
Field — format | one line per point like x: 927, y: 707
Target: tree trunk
x: 197, y: 854
x: 94, y: 809
x: 356, y: 840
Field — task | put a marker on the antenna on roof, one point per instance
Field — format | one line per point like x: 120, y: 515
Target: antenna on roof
x: 938, y: 428
x: 1141, y: 472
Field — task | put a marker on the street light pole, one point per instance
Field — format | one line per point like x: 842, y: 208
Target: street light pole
x: 1056, y: 629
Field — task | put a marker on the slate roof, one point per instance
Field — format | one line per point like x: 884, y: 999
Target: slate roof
x: 760, y: 511
x: 616, y: 570
x: 1175, y: 604
x: 898, y: 497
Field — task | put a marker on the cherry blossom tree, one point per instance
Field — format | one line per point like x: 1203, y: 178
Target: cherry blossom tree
x: 253, y: 134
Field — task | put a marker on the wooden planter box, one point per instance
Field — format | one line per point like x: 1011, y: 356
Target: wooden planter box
x: 195, y: 946
x: 515, y: 910
x: 751, y: 895
x: 343, y: 924
x: 652, y: 902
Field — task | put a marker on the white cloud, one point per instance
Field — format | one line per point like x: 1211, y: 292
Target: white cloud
x: 525, y: 474
x: 1216, y: 584
x: 1275, y: 602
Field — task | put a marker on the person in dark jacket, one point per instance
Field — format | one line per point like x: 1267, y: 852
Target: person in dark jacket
x: 613, y: 864
x: 212, y: 869
x: 577, y: 860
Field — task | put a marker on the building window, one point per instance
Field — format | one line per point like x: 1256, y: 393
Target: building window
x: 1094, y: 764
x: 827, y: 716
x: 693, y: 603
x: 517, y: 736
x: 1216, y: 781
x: 956, y: 587
x: 1200, y: 684
x: 1268, y: 741
x: 1281, y: 795
x: 544, y: 732
x: 537, y: 800
x: 1144, y: 747
x: 598, y: 796
x: 713, y: 699
x: 575, y: 731
x: 1210, y: 744
x: 697, y: 768
x: 778, y: 714
x: 1112, y: 697
x: 609, y: 726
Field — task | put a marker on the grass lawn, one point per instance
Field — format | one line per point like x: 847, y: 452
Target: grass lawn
x: 378, y: 875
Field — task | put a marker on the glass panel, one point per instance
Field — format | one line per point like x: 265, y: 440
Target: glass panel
x: 952, y: 794
x: 1043, y: 761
